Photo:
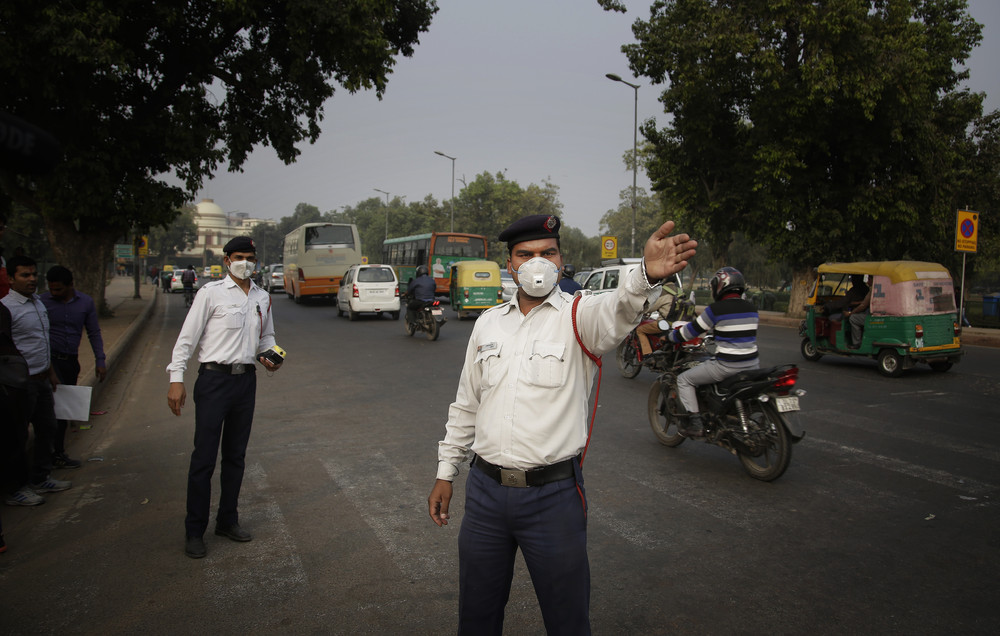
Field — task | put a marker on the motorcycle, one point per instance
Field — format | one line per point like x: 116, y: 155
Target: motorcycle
x: 629, y: 353
x: 750, y: 414
x: 428, y: 318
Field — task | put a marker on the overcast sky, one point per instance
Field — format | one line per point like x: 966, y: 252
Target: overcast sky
x: 516, y: 86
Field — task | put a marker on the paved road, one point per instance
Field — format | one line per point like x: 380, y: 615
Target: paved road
x: 885, y: 522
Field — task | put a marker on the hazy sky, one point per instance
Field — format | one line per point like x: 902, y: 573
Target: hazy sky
x: 515, y: 86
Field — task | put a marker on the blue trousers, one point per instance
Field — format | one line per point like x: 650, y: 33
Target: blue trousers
x: 223, y: 416
x: 549, y: 524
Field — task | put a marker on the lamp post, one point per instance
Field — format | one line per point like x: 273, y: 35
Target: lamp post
x: 635, y: 144
x: 438, y: 152
x: 386, y: 211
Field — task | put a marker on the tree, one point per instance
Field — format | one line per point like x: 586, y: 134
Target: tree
x: 133, y: 90
x: 181, y: 234
x: 269, y: 242
x: 824, y: 130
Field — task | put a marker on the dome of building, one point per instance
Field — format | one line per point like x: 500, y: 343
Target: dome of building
x: 207, y: 209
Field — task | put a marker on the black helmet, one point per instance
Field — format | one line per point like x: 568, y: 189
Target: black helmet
x: 727, y: 280
x: 422, y: 270
x: 569, y: 271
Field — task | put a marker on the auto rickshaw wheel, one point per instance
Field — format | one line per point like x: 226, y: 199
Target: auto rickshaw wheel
x: 809, y: 351
x: 890, y: 364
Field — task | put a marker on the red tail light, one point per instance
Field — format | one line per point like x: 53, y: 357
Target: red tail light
x: 354, y: 291
x: 302, y: 275
x: 396, y: 294
x: 919, y: 331
x: 787, y: 379
x: 957, y: 328
x: 467, y: 294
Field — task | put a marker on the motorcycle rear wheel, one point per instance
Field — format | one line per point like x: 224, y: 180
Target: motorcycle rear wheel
x: 663, y: 403
x: 628, y: 358
x: 433, y: 330
x: 774, y: 450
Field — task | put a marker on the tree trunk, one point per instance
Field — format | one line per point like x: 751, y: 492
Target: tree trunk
x: 802, y: 280
x: 86, y: 255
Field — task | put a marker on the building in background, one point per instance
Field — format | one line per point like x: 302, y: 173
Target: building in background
x: 215, y: 229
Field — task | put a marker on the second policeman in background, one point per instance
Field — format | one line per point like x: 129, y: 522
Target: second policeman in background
x: 520, y: 416
x: 231, y: 319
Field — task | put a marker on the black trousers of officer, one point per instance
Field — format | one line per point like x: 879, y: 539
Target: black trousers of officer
x: 67, y: 368
x: 223, y: 416
x: 549, y: 525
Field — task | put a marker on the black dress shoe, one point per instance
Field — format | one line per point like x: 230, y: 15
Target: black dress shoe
x: 194, y: 547
x: 234, y: 532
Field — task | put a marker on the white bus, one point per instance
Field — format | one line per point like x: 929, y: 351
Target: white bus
x: 316, y: 257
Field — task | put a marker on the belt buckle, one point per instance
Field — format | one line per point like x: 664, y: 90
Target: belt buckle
x: 237, y: 368
x: 513, y: 478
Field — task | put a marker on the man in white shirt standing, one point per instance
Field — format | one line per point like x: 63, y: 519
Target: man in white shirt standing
x: 231, y: 319
x: 520, y: 416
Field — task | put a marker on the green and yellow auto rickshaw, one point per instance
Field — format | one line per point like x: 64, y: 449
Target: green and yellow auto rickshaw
x: 911, y: 316
x: 475, y: 285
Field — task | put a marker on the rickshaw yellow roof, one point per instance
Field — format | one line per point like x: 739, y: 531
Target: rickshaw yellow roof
x: 896, y: 271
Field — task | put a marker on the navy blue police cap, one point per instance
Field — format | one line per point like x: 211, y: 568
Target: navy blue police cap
x: 240, y: 244
x: 530, y: 228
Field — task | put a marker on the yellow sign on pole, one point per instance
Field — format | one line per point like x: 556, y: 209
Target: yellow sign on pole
x: 609, y: 247
x: 967, y: 231
x: 143, y: 246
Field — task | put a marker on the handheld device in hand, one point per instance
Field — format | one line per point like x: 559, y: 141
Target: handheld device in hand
x: 274, y: 355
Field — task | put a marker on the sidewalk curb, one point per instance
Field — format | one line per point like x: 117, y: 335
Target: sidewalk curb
x: 122, y: 344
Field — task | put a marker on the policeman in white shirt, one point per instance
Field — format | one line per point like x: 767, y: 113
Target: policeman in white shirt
x: 520, y: 416
x: 231, y: 318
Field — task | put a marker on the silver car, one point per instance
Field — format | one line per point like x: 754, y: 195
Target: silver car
x: 274, y: 277
x: 367, y: 289
x: 508, y: 285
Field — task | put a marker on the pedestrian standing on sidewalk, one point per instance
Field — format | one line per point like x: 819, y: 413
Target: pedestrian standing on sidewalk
x: 231, y: 319
x: 13, y: 431
x: 71, y: 312
x: 30, y: 332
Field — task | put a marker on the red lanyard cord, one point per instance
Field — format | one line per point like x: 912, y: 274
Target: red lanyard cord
x: 597, y: 395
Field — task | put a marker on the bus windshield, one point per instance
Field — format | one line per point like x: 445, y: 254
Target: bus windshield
x: 323, y: 236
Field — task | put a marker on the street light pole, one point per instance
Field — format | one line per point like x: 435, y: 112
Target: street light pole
x: 635, y: 146
x: 438, y: 152
x: 386, y: 211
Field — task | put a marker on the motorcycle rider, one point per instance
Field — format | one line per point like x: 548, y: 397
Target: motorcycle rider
x: 420, y: 291
x: 734, y: 321
x: 566, y: 283
x: 664, y: 306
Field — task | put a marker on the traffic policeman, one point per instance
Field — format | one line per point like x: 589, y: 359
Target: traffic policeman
x: 231, y: 320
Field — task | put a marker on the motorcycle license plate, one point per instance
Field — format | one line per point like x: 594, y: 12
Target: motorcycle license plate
x: 786, y: 404
x: 436, y: 312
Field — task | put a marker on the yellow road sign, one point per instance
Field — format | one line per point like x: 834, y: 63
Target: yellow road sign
x: 609, y: 247
x: 966, y: 231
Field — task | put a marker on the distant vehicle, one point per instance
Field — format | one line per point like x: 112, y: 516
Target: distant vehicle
x: 176, y: 285
x: 368, y: 289
x: 274, y: 278
x: 315, y: 257
x: 608, y: 277
x: 582, y: 276
x: 207, y: 273
x: 437, y: 250
x: 475, y: 285
x: 508, y: 284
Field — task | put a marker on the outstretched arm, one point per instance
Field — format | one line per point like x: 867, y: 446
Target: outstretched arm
x: 666, y: 255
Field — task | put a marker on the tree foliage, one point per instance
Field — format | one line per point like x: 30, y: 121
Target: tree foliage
x: 828, y: 130
x: 133, y: 90
x: 181, y: 234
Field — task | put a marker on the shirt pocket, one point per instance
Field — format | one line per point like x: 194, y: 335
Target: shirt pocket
x: 232, y: 316
x: 489, y: 366
x: 547, y: 364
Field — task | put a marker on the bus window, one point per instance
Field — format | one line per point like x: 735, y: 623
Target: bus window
x: 322, y: 236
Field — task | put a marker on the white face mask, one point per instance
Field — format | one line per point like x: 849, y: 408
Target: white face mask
x: 537, y: 277
x: 242, y: 269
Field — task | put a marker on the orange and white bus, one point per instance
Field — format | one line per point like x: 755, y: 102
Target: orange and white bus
x: 316, y: 255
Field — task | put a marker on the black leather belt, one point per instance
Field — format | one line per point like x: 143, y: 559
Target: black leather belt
x: 524, y: 478
x: 232, y: 369
x: 63, y: 356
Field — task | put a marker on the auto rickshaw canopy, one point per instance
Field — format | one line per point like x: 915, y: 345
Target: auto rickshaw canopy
x: 895, y: 271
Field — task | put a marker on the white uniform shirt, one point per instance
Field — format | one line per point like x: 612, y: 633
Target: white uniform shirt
x: 29, y: 327
x: 523, y: 395
x: 232, y: 327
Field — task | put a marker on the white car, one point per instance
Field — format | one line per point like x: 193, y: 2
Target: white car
x: 368, y: 289
x: 274, y: 278
x: 177, y: 285
x: 509, y: 287
x: 607, y: 278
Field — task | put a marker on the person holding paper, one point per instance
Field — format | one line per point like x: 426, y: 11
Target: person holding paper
x: 70, y: 313
x: 30, y: 332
